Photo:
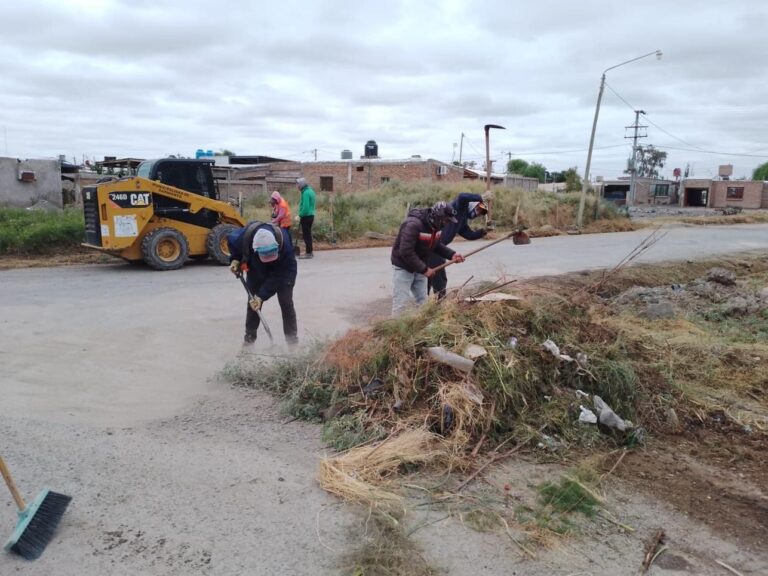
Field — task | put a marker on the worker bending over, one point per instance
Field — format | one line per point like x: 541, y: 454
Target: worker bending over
x: 264, y: 252
x: 419, y: 236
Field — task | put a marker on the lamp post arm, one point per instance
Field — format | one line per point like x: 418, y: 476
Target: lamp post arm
x: 656, y: 52
x: 585, y: 181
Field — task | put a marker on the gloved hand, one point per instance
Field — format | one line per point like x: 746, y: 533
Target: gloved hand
x: 458, y: 258
x: 234, y: 267
x: 429, y: 272
x: 255, y: 303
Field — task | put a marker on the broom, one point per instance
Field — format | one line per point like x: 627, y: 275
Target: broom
x: 37, y: 522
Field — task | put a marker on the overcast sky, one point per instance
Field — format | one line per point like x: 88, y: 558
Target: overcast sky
x: 145, y: 78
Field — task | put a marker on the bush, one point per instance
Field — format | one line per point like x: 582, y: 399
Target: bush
x: 25, y: 232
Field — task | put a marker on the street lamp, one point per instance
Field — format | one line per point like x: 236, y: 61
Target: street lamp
x: 585, y: 182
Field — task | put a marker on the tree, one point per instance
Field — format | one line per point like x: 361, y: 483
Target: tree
x: 649, y: 161
x: 572, y: 180
x: 225, y: 152
x: 536, y: 170
x: 558, y: 177
x: 761, y: 172
x: 517, y: 166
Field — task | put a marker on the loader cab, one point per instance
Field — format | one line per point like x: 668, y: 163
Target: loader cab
x: 194, y: 176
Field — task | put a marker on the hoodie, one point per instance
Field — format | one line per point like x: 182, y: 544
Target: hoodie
x: 415, y: 241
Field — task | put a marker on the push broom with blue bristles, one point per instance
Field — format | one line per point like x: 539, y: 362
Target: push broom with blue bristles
x: 37, y: 522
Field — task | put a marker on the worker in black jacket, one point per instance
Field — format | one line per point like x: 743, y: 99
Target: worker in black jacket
x: 267, y: 250
x: 468, y: 207
x: 419, y: 236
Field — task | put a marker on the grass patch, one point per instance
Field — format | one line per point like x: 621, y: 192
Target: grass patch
x: 386, y: 550
x: 566, y: 497
x: 28, y: 232
x: 382, y: 209
x: 348, y: 431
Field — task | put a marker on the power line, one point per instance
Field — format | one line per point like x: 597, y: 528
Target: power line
x: 715, y: 152
x: 693, y: 148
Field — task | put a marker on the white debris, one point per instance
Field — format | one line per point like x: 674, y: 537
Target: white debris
x: 454, y: 360
x: 473, y: 351
x: 493, y: 297
x: 553, y: 349
x: 608, y: 417
x: 587, y: 416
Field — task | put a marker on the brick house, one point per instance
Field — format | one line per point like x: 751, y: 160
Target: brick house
x: 647, y: 191
x: 747, y: 194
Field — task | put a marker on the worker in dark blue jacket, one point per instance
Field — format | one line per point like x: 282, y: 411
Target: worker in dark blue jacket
x: 468, y: 207
x: 267, y: 250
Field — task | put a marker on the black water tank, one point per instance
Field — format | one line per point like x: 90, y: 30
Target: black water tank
x: 371, y: 149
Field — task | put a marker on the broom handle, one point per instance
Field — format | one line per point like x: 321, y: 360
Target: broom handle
x: 468, y: 254
x: 11, y: 485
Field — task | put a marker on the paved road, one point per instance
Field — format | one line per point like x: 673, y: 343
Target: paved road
x: 116, y: 344
x: 106, y: 381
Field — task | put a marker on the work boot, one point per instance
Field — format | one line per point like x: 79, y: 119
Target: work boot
x: 306, y: 256
x: 249, y: 340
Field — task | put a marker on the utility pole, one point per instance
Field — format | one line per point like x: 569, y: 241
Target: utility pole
x: 461, y: 147
x: 633, y: 168
x: 315, y: 151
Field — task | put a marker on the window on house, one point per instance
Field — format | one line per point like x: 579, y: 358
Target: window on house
x: 360, y: 168
x: 384, y: 179
x: 735, y: 193
x: 326, y: 183
x: 660, y: 190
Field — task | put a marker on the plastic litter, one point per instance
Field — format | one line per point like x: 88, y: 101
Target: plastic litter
x: 553, y: 349
x: 454, y: 360
x: 512, y: 342
x: 587, y: 416
x: 608, y: 417
x: 473, y: 351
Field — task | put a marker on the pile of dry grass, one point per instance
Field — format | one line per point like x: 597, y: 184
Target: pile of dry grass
x: 360, y: 474
x: 702, y: 368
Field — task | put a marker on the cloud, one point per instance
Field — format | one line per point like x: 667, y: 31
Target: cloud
x: 145, y: 78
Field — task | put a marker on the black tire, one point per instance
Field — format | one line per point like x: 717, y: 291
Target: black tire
x: 217, y: 246
x: 165, y: 249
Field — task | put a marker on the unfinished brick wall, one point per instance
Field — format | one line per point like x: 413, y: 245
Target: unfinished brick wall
x: 360, y: 175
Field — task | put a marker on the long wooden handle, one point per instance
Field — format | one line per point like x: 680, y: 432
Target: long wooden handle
x: 468, y: 254
x: 11, y: 485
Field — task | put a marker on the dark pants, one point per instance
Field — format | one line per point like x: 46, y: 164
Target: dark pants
x: 285, y: 299
x: 439, y: 282
x: 306, y: 231
x: 294, y: 243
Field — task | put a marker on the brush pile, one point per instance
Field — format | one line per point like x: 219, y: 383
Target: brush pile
x: 450, y: 386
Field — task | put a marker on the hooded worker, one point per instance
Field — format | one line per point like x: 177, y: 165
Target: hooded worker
x: 419, y: 236
x: 264, y: 252
x: 468, y: 207
x: 281, y: 214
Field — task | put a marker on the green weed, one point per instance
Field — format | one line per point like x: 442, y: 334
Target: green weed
x: 25, y: 232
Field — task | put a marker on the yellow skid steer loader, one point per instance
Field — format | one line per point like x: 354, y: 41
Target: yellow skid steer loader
x: 169, y: 212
